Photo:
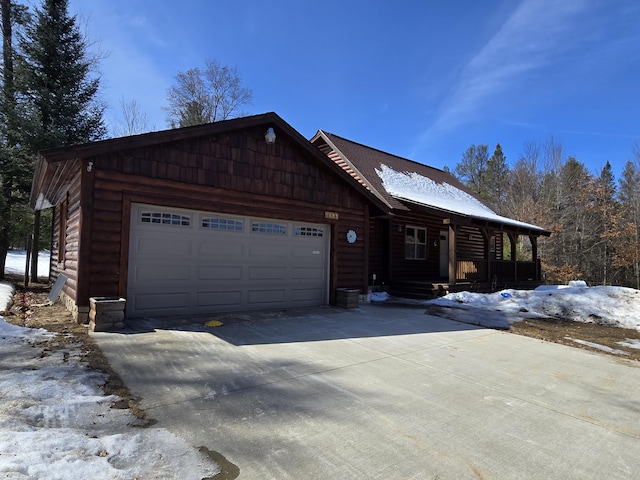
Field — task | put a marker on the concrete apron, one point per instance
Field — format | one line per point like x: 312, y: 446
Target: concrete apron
x: 382, y: 392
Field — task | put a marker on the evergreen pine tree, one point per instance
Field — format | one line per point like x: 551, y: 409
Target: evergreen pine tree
x: 58, y: 80
x: 56, y: 89
x: 497, y: 180
x: 605, y: 212
x: 15, y: 165
x: 627, y: 233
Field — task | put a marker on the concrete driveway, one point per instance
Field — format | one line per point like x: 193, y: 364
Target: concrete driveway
x: 382, y: 392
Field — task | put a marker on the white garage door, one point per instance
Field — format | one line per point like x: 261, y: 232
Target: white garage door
x: 191, y: 262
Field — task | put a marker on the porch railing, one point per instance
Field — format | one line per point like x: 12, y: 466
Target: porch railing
x: 500, y: 270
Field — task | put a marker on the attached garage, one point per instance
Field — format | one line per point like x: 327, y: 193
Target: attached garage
x: 204, y: 219
x: 194, y: 262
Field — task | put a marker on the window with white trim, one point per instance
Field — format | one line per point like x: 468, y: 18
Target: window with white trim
x: 268, y: 227
x: 415, y: 243
x: 217, y: 223
x: 308, y: 232
x: 165, y: 218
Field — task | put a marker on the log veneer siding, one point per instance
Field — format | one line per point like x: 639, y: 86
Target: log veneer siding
x: 234, y: 173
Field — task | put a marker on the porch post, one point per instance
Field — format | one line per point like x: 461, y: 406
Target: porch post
x: 453, y: 261
x: 534, y: 254
x: 486, y: 233
x: 514, y: 263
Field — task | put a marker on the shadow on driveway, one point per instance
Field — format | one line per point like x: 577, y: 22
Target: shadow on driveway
x: 307, y: 324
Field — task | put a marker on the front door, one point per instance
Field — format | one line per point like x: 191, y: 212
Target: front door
x: 444, y: 253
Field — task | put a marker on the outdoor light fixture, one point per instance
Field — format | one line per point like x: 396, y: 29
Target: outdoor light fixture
x: 89, y: 167
x: 270, y: 136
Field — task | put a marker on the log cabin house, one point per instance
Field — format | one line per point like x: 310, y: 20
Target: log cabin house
x: 435, y: 235
x: 247, y: 214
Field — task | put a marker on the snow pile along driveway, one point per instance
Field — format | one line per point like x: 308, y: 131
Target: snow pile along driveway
x: 55, y: 422
x: 604, y: 305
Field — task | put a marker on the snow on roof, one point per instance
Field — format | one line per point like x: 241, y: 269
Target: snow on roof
x: 419, y: 189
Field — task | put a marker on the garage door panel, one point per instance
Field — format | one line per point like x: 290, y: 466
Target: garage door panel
x: 151, y: 246
x: 224, y: 248
x: 158, y: 302
x: 203, y: 262
x: 266, y: 251
x: 162, y: 273
x: 267, y: 296
x: 228, y: 298
x: 306, y: 295
x: 220, y: 272
x: 267, y: 273
x: 307, y: 273
x: 308, y: 252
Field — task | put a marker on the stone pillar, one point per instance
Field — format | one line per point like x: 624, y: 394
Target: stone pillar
x: 347, y: 297
x: 106, y: 313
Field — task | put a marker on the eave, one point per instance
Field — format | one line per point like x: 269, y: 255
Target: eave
x: 471, y: 220
x: 54, y: 166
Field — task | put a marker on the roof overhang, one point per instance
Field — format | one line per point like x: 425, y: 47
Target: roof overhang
x: 499, y: 223
x: 382, y: 203
x: 55, y: 166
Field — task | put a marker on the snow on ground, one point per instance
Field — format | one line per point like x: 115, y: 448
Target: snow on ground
x: 56, y: 423
x: 603, y: 305
x: 16, y: 260
x: 597, y: 346
x: 6, y: 296
x: 630, y: 343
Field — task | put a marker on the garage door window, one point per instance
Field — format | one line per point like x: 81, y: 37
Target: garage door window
x: 267, y: 227
x: 223, y: 224
x: 165, y: 218
x: 308, y: 232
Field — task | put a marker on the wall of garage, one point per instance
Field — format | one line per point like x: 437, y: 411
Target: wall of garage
x: 233, y: 172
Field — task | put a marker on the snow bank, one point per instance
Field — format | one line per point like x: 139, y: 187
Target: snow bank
x: 378, y: 297
x: 6, y: 296
x: 604, y: 305
x: 56, y: 423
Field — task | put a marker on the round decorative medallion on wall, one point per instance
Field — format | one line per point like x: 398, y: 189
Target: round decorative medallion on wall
x: 351, y: 236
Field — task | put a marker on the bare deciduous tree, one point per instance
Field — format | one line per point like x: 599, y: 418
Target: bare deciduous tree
x: 204, y: 96
x: 134, y: 120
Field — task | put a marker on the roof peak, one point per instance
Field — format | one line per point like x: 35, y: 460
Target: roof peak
x: 381, y: 151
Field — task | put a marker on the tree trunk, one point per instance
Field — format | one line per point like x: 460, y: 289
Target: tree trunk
x: 7, y: 90
x: 35, y: 246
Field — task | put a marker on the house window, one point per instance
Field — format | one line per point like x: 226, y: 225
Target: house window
x: 308, y: 232
x: 227, y: 224
x: 268, y: 227
x: 62, y: 232
x: 165, y: 218
x: 415, y: 243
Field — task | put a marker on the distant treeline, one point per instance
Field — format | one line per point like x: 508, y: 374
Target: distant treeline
x: 594, y: 220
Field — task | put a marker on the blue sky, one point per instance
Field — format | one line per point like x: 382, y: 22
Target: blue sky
x: 420, y: 79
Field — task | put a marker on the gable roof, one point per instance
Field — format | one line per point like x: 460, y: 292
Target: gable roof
x: 403, y: 184
x: 56, y: 163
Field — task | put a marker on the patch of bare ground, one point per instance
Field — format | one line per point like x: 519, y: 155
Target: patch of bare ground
x: 567, y: 331
x: 31, y: 309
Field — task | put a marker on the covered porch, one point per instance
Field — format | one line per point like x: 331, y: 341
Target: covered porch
x: 477, y: 255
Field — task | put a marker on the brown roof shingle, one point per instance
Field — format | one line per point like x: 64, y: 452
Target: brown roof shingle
x: 362, y: 161
x: 365, y: 160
